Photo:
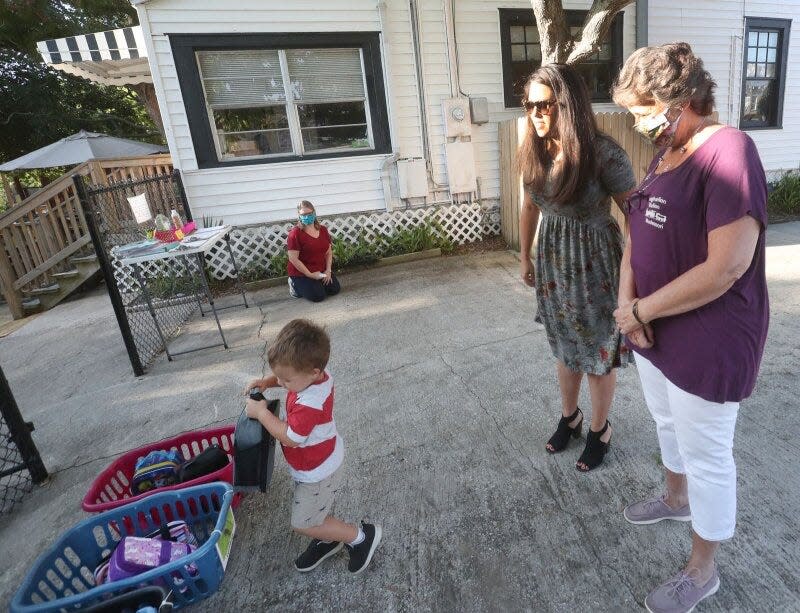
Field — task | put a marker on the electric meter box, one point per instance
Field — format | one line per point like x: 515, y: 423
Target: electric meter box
x: 479, y: 110
x: 457, y: 117
x: 412, y: 178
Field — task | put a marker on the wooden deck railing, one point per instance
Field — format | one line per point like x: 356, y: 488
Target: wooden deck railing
x: 38, y: 235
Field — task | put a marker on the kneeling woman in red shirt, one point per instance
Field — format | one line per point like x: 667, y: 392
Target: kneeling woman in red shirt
x: 310, y: 257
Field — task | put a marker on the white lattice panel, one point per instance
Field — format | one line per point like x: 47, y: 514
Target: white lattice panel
x: 256, y: 246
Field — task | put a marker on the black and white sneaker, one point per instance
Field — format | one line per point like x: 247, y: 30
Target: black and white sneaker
x: 292, y: 291
x: 317, y: 552
x: 361, y: 554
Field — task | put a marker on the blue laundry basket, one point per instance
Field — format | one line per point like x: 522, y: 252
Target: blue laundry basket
x: 62, y: 578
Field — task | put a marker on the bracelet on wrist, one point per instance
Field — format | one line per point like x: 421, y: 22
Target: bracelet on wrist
x: 635, y: 311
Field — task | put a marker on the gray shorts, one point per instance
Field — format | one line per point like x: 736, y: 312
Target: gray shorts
x: 313, y: 502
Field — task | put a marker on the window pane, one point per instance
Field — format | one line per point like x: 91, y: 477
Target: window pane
x: 335, y: 114
x: 605, y: 51
x: 751, y: 54
x: 758, y: 101
x: 773, y: 39
x: 762, y: 39
x: 241, y: 78
x: 598, y: 79
x: 255, y: 143
x: 325, y: 74
x: 761, y: 70
x: 752, y: 39
x: 259, y: 131
x: 517, y: 53
x: 517, y: 34
x: 762, y: 54
x: 519, y: 76
x: 350, y: 137
x: 532, y: 34
x: 751, y: 69
x: 243, y: 120
x: 535, y: 53
x: 771, y: 54
x: 770, y: 70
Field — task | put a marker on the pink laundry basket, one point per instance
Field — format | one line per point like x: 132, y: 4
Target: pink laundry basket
x: 111, y: 488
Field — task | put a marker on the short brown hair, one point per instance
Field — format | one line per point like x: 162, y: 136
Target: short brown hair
x: 668, y: 74
x: 302, y: 345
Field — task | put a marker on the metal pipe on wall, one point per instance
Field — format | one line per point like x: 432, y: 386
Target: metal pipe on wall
x: 427, y: 153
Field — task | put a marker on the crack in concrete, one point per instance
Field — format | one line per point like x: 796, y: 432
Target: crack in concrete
x: 263, y: 355
x: 378, y: 374
x: 522, y: 457
x: 406, y: 365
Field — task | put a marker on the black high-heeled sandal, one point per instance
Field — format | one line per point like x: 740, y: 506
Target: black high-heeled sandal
x: 563, y: 432
x: 595, y: 450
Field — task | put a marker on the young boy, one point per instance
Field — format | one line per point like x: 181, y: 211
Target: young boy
x: 311, y: 445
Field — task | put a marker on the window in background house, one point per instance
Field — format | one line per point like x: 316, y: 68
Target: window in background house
x: 276, y: 103
x: 522, y: 54
x: 765, y: 51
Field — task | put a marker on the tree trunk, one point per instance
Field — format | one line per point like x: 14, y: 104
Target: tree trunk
x: 146, y: 93
x: 557, y: 43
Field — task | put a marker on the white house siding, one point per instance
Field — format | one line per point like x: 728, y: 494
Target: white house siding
x: 715, y: 29
x: 261, y: 193
x: 478, y: 35
x: 265, y: 192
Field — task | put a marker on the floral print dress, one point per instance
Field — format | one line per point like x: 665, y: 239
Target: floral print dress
x: 578, y: 255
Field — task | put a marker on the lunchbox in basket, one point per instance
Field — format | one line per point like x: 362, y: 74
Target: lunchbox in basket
x: 111, y: 488
x: 62, y: 578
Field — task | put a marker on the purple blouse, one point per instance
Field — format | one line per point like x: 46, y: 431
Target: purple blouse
x: 713, y: 351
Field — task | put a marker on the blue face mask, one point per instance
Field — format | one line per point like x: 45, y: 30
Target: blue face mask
x: 307, y: 220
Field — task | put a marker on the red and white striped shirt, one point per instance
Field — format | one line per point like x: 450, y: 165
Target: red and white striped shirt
x: 320, y: 449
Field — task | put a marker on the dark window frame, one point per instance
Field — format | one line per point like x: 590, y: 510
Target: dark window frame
x: 185, y: 46
x: 784, y: 28
x: 525, y: 17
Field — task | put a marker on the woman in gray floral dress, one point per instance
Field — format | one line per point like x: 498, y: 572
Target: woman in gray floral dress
x: 571, y: 172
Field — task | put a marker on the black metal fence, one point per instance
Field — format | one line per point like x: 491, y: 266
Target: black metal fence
x: 20, y: 463
x: 172, y: 283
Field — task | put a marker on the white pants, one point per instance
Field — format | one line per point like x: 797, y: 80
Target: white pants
x: 696, y: 439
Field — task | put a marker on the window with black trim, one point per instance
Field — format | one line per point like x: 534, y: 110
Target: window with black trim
x: 522, y: 54
x: 766, y: 46
x: 276, y: 97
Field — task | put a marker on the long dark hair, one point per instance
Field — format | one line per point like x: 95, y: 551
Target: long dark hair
x: 575, y: 127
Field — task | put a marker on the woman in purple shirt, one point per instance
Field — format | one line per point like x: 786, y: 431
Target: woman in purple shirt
x: 692, y: 300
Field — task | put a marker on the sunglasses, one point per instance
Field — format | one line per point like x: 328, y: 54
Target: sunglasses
x: 545, y: 107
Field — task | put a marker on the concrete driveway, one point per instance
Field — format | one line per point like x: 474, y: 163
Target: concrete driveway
x: 446, y: 393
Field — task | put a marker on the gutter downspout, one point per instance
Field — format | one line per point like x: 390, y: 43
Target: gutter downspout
x: 386, y: 167
x: 421, y: 97
x: 641, y: 23
x: 449, y: 24
x: 386, y: 180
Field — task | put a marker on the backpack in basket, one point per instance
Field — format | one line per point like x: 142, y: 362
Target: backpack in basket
x: 208, y: 461
x: 157, y: 469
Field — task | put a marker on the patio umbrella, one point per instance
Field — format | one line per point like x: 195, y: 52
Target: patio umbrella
x: 79, y: 148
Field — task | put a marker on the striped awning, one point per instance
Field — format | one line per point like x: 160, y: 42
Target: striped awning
x: 114, y: 57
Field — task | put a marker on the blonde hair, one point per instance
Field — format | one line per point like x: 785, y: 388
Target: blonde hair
x: 305, y: 204
x: 669, y: 74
